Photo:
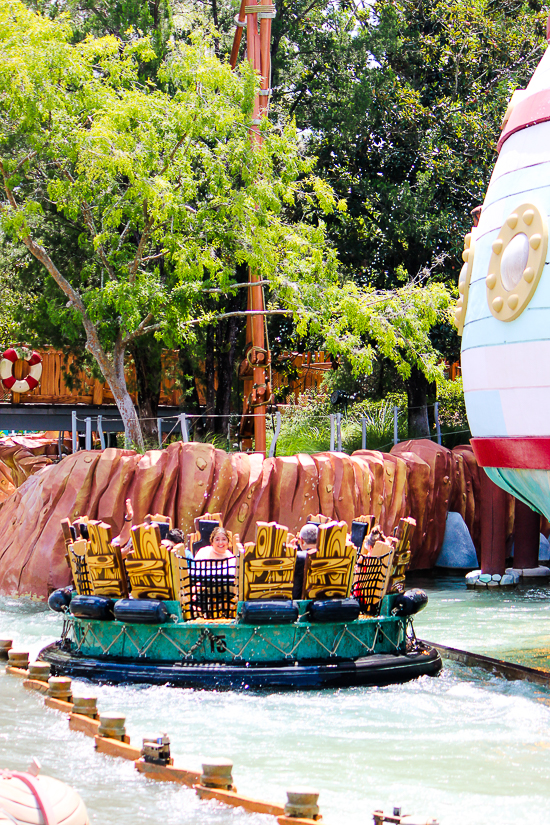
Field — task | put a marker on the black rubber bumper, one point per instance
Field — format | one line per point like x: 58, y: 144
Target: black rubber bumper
x: 377, y: 669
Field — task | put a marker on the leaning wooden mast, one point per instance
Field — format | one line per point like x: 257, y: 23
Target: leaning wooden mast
x: 256, y: 18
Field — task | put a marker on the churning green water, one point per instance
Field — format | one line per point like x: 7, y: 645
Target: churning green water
x: 465, y: 748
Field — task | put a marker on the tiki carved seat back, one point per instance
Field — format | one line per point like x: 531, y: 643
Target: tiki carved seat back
x: 105, y: 565
x: 78, y: 563
x: 402, y: 556
x: 266, y: 568
x: 360, y: 528
x: 158, y: 518
x: 207, y: 588
x: 68, y: 534
x: 329, y: 570
x: 148, y: 566
x: 318, y: 518
x: 372, y: 574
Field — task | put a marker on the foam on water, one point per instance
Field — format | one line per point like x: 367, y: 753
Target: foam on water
x: 466, y: 748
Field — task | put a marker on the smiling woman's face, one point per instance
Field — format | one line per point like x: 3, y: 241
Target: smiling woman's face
x: 220, y: 543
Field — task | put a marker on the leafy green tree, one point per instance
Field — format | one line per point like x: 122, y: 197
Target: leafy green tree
x: 163, y: 190
x: 401, y: 100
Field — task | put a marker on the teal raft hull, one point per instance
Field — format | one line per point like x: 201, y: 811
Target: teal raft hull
x: 231, y: 654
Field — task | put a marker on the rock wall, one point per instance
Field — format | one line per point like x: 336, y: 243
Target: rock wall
x: 418, y: 479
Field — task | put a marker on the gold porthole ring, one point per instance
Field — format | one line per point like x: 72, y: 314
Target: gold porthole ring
x: 519, y: 254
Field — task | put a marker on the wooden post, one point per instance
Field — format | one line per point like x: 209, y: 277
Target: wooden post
x: 493, y: 527
x: 526, y: 537
x: 258, y: 52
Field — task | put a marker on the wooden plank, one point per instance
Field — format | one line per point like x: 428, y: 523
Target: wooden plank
x: 105, y: 565
x: 238, y: 801
x: 266, y: 568
x: 180, y: 578
x: 84, y: 724
x: 329, y: 570
x: 17, y: 671
x: 97, y: 393
x: 168, y: 773
x: 57, y: 704
x: 36, y: 684
x: 113, y: 747
x: 149, y: 566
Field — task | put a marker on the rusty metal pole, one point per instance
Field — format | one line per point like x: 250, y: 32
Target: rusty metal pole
x: 526, y: 537
x: 493, y: 526
x: 258, y: 52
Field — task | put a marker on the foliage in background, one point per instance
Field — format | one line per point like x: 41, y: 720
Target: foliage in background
x: 15, y: 303
x: 162, y: 192
x: 401, y: 101
x: 306, y: 426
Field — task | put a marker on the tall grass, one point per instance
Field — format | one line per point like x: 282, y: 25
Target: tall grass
x: 306, y: 426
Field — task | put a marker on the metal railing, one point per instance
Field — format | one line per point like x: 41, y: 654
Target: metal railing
x: 184, y: 423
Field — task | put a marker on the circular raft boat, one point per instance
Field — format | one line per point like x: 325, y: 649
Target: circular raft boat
x: 377, y: 669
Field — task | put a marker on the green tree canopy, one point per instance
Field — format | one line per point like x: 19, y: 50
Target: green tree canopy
x: 163, y: 190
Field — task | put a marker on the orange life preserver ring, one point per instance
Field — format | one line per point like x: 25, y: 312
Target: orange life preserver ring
x: 33, y: 359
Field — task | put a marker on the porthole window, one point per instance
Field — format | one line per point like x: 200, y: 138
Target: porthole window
x: 515, y: 267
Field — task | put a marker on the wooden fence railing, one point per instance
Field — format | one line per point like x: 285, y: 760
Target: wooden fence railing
x: 54, y: 388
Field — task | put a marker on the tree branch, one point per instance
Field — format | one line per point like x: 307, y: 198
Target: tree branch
x: 218, y: 291
x: 89, y: 221
x: 93, y: 342
x: 245, y: 313
x: 140, y: 330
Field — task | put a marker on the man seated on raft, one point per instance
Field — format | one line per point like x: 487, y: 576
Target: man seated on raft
x: 306, y: 542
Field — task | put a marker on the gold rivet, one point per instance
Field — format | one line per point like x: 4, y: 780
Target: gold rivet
x: 491, y: 280
x: 466, y: 255
x: 513, y: 301
x: 512, y: 220
x: 529, y: 274
x: 535, y: 241
x: 497, y: 246
x: 498, y: 304
x: 467, y: 240
x: 528, y: 216
x: 461, y: 287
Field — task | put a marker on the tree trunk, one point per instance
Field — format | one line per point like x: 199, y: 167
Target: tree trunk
x: 147, y: 355
x: 227, y: 333
x: 112, y: 369
x: 417, y: 394
x: 116, y: 379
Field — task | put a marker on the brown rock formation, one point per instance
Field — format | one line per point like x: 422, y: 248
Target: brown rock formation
x: 418, y: 479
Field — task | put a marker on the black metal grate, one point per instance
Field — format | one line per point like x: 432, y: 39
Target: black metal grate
x: 369, y: 580
x: 211, y: 589
x: 82, y: 576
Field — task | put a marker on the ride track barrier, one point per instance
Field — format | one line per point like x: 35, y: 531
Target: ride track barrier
x: 497, y: 667
x: 214, y: 782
